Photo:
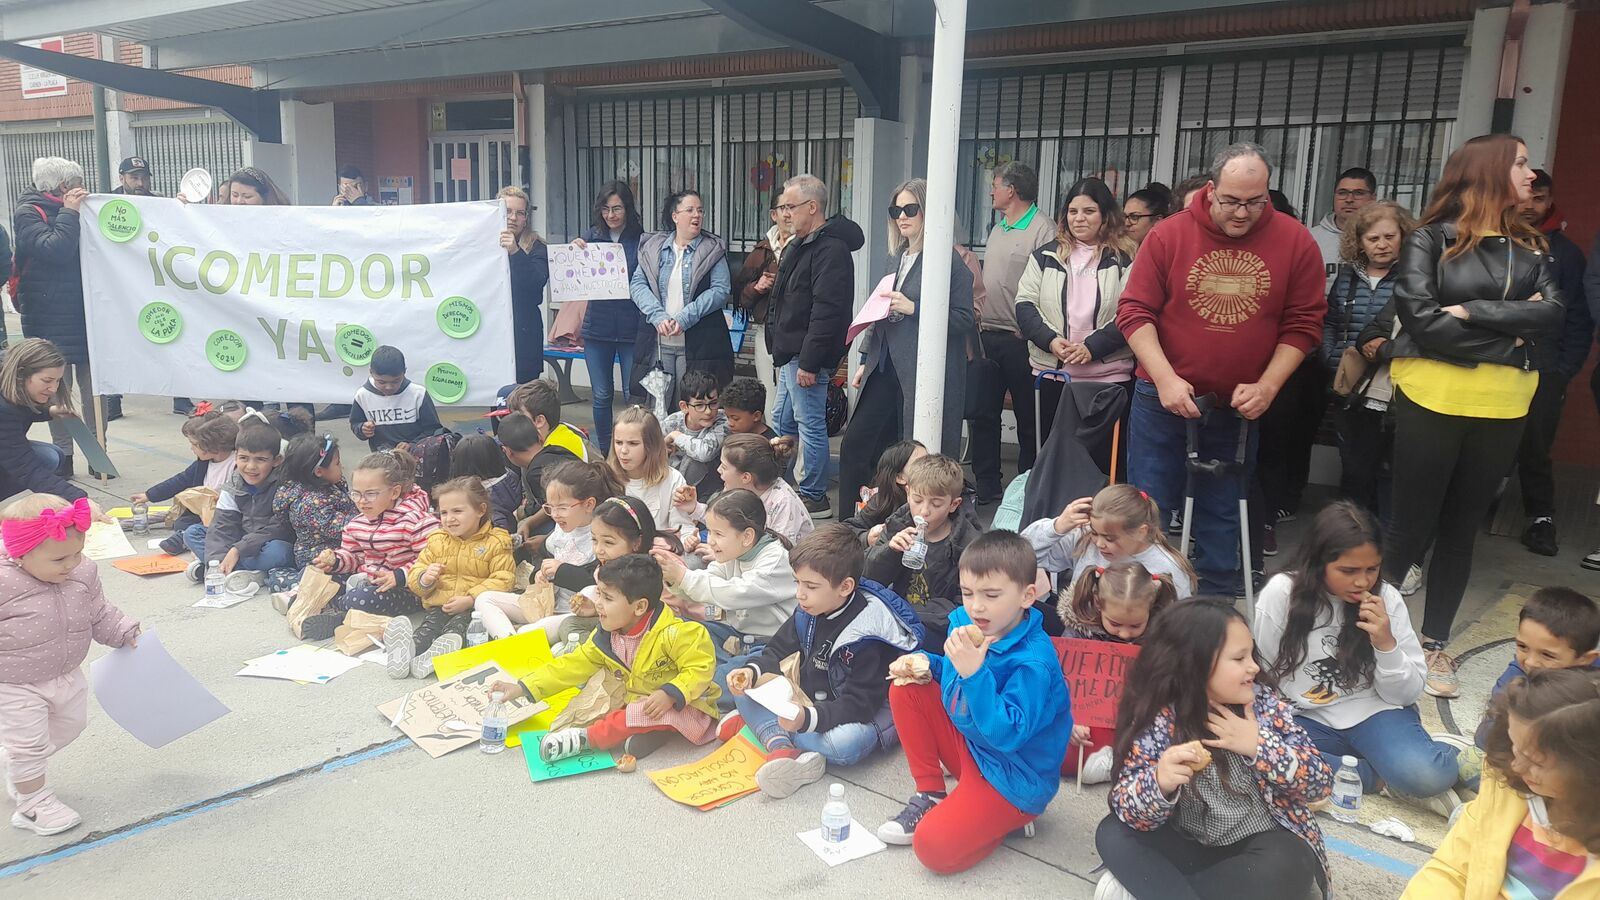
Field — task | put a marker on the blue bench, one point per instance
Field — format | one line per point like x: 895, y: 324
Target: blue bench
x: 559, y: 359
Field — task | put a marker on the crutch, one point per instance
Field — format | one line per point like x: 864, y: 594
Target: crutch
x: 1194, y: 465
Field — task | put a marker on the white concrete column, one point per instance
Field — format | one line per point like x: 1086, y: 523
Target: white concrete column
x: 1545, y: 46
x: 538, y: 174
x: 119, y: 123
x: 304, y: 165
x: 914, y: 110
x: 1480, y: 75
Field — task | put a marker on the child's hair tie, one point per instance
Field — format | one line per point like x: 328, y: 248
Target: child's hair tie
x: 202, y: 408
x: 1143, y: 496
x: 632, y: 514
x: 1099, y: 571
x: 252, y: 413
x: 22, y: 535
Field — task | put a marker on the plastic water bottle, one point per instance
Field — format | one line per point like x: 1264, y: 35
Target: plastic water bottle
x: 573, y: 642
x: 1347, y: 792
x: 916, y: 557
x: 494, y: 725
x: 141, y: 518
x: 214, y: 580
x: 835, y: 819
x: 476, y: 632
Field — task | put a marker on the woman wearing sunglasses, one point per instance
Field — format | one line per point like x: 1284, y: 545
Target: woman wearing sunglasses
x: 887, y: 375
x: 1067, y: 299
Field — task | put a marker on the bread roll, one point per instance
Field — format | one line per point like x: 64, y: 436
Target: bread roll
x: 1200, y: 751
x: 972, y: 634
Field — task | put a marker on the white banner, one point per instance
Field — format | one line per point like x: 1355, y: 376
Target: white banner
x: 287, y: 303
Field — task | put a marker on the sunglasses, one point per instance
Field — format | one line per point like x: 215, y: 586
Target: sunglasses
x: 910, y: 211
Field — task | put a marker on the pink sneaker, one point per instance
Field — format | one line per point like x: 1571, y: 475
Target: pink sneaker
x: 43, y: 814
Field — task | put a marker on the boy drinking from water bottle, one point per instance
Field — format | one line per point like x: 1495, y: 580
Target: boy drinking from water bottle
x: 933, y: 494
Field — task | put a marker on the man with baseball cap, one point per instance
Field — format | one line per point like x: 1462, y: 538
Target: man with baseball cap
x: 135, y: 175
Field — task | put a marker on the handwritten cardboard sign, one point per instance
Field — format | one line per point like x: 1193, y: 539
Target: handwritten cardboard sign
x: 1095, y: 672
x: 449, y: 715
x: 729, y: 772
x: 597, y: 272
x: 154, y: 564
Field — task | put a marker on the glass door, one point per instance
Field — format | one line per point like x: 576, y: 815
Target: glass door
x: 472, y: 165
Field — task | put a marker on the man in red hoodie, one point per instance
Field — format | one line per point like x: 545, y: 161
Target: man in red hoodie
x: 1226, y: 299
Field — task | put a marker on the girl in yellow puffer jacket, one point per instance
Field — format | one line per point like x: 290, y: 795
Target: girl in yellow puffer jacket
x: 466, y: 558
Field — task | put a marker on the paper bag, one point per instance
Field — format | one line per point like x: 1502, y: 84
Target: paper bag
x: 316, y: 589
x: 790, y: 667
x: 202, y: 501
x: 538, y: 601
x: 603, y: 694
x: 356, y: 635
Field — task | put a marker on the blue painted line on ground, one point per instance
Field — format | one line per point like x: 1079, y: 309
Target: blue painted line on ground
x: 1371, y: 857
x: 27, y: 865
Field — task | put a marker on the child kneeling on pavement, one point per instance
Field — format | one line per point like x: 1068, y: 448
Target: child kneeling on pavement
x: 846, y: 633
x: 666, y: 665
x: 993, y: 711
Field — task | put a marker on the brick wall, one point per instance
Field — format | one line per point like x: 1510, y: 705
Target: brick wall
x: 77, y: 103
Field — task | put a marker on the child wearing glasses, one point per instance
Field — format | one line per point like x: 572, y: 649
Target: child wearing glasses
x: 314, y: 503
x: 696, y: 431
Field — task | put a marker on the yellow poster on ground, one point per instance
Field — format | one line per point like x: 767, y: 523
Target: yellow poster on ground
x: 730, y: 771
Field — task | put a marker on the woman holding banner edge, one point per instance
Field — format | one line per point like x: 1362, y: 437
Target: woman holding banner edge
x: 530, y: 272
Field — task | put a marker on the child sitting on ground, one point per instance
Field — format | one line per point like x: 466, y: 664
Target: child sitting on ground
x: 639, y: 460
x: 520, y: 443
x: 750, y: 463
x: 1214, y: 775
x: 479, y: 456
x: 378, y: 545
x: 464, y: 558
x: 292, y: 421
x: 51, y: 607
x: 556, y: 443
x: 1111, y: 603
x: 695, y: 432
x: 1120, y: 522
x: 574, y: 490
x: 744, y: 404
x: 933, y: 494
x: 245, y: 535
x: 993, y: 711
x: 1534, y: 828
x: 666, y: 663
x: 748, y: 591
x: 313, y: 503
x: 887, y: 492
x: 390, y: 411
x: 1338, y: 640
x: 846, y: 633
x: 212, y: 437
x: 1558, y: 628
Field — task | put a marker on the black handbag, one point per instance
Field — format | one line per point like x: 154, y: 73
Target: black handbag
x: 985, y: 383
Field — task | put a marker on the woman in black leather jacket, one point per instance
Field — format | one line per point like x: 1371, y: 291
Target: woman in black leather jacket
x: 1476, y: 292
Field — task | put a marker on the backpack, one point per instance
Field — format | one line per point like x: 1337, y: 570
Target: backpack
x: 433, y: 459
x: 16, y: 273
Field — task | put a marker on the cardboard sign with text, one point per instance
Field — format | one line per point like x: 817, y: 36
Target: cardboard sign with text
x: 728, y: 773
x: 1095, y: 672
x: 449, y: 715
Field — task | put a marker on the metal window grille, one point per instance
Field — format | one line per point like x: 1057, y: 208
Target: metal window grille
x: 1389, y: 108
x: 20, y: 149
x: 736, y: 147
x: 174, y: 148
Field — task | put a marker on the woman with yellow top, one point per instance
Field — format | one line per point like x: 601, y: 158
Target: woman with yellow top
x: 1475, y: 291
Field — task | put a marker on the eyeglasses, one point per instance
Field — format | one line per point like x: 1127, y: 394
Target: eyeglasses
x: 1136, y: 218
x: 791, y: 207
x: 368, y: 496
x: 704, y: 405
x: 1231, y: 205
x: 910, y: 211
x: 1359, y: 194
x: 563, y: 509
x: 614, y: 210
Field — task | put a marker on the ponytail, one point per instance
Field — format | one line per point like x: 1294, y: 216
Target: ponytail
x: 1126, y: 582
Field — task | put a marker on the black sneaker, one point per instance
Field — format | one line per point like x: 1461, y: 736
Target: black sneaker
x: 182, y: 406
x: 321, y: 627
x: 1257, y: 579
x: 1285, y: 515
x: 173, y: 545
x: 1175, y: 523
x: 641, y: 745
x: 1540, y: 538
x: 899, y: 829
x: 819, y: 508
x: 1269, y: 541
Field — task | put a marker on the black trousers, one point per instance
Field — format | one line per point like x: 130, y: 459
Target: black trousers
x: 1011, y: 352
x: 1366, y: 441
x: 874, y: 425
x: 1533, y: 454
x: 436, y: 623
x: 1164, y: 864
x: 1288, y: 430
x: 1446, y: 472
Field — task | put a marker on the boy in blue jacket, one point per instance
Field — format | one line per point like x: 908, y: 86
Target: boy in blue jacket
x: 1558, y: 628
x: 211, y: 438
x: 846, y: 632
x: 993, y: 710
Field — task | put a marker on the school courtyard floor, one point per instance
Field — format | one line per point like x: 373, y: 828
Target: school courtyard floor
x: 306, y: 791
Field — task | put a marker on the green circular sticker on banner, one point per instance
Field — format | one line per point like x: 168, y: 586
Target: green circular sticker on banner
x: 458, y: 317
x: 160, y: 322
x: 354, y: 344
x: 446, y: 383
x: 119, y: 221
x: 226, y: 350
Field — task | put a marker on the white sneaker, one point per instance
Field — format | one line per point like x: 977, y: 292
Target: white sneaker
x: 243, y: 584
x: 1110, y: 888
x: 195, y: 571
x: 398, y: 646
x: 1412, y: 582
x: 43, y: 814
x: 1441, y: 680
x: 780, y: 777
x: 1443, y: 805
x: 558, y: 745
x: 900, y: 829
x: 422, y: 665
x: 282, y: 600
x: 1097, y: 767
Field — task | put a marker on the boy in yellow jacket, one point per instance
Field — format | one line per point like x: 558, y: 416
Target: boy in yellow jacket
x: 467, y: 557
x: 666, y: 663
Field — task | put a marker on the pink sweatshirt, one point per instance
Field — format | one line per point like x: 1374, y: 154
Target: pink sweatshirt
x: 45, y: 628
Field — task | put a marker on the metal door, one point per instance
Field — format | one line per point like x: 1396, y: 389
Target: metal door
x: 472, y: 165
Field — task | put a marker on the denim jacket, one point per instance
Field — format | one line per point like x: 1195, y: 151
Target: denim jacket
x: 648, y: 291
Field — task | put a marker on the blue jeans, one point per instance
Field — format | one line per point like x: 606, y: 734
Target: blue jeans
x: 601, y: 358
x: 273, y: 555
x: 48, y: 455
x: 1390, y: 745
x: 726, y: 664
x: 803, y: 412
x: 841, y: 745
x: 1157, y: 445
x: 194, y: 537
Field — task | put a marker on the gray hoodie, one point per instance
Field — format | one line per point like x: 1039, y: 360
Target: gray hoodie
x: 1328, y: 235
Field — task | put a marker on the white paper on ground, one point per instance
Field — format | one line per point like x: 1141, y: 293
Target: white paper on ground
x: 150, y: 694
x: 305, y: 663
x: 861, y: 842
x: 106, y: 542
x: 776, y: 695
x: 223, y: 601
x: 155, y: 543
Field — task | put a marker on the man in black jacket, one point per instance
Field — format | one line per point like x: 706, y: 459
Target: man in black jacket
x: 1557, y: 362
x: 812, y: 302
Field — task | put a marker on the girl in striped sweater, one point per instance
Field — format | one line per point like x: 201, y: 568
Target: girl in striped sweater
x: 379, y: 544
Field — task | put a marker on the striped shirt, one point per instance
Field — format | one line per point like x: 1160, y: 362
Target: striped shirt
x: 1535, y: 870
x: 392, y: 541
